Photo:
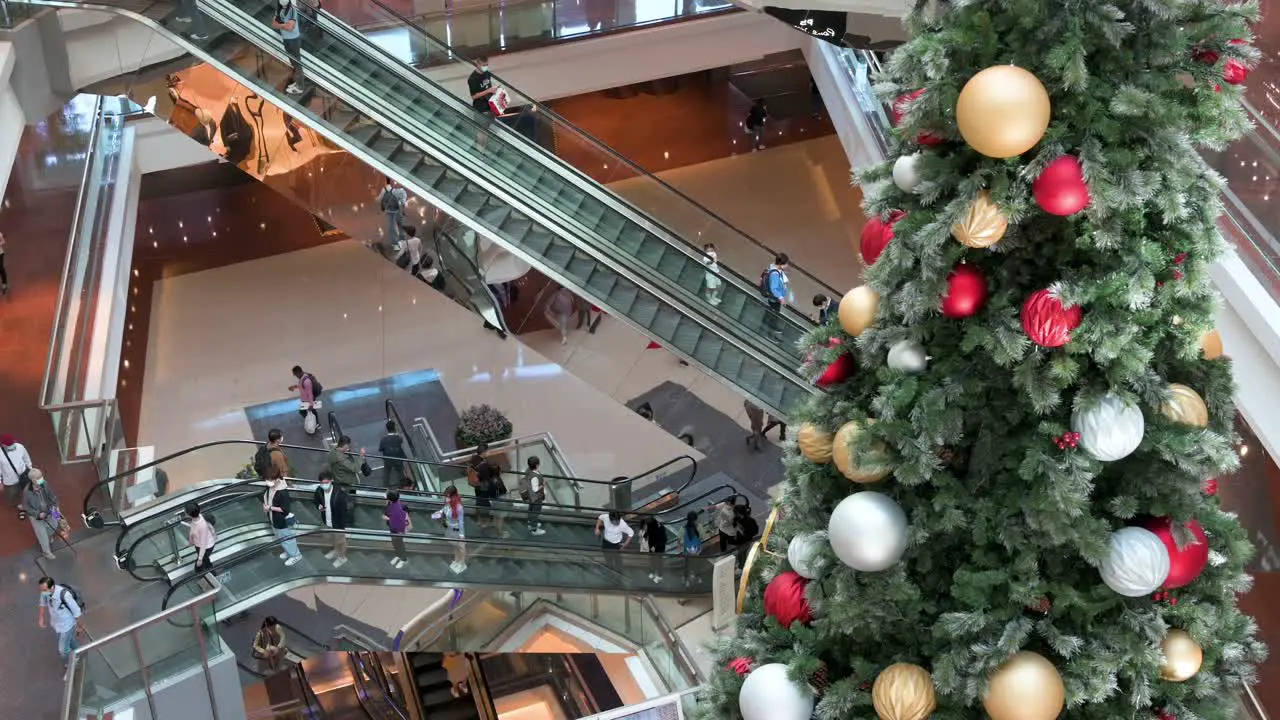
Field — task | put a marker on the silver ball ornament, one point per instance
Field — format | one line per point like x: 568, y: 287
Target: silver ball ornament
x: 1109, y: 430
x: 908, y: 356
x: 906, y: 172
x: 868, y: 531
x: 804, y: 554
x: 1137, y: 562
x: 768, y: 694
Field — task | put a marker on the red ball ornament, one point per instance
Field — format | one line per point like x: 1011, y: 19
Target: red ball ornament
x: 966, y: 292
x: 876, y: 234
x: 1060, y: 189
x: 899, y: 108
x: 1205, y: 56
x: 1210, y: 487
x: 1187, y: 563
x: 837, y: 372
x: 1234, y: 72
x: 784, y: 599
x: 1046, y: 321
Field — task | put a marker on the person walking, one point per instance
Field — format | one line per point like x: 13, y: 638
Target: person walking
x: 334, y: 507
x: 452, y: 516
x: 14, y: 471
x: 756, y: 118
x: 398, y: 522
x: 271, y: 455
x: 533, y: 490
x: 395, y: 473
x: 282, y: 518
x: 712, y: 284
x: 655, y: 543
x: 60, y: 610
x: 309, y: 390
x: 827, y: 307
x: 41, y: 506
x: 746, y: 529
x: 691, y: 545
x: 756, y: 417
x: 287, y: 23
x: 269, y: 645
x: 725, y: 522
x: 202, y: 536
x: 777, y: 291
x: 346, y: 468
x: 392, y: 199
x: 559, y: 312
x: 615, y: 534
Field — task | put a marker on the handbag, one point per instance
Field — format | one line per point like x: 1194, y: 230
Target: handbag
x: 365, y: 470
x: 290, y: 520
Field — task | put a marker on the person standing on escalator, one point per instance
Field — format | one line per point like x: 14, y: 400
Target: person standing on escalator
x: 655, y: 543
x: 391, y: 447
x: 282, y: 518
x: 615, y: 534
x: 392, y: 200
x: 287, y: 23
x: 334, y: 507
x: 344, y: 465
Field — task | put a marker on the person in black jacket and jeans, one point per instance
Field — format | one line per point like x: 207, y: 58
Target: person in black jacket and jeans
x: 335, y: 508
x: 655, y: 538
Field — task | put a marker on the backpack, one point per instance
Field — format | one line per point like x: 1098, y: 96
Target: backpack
x: 75, y: 596
x: 392, y: 446
x: 764, y: 282
x: 316, y: 387
x: 262, y: 461
x: 389, y: 201
x: 497, y: 483
x: 692, y: 543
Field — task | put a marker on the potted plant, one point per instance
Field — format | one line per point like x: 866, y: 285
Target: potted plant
x: 481, y: 424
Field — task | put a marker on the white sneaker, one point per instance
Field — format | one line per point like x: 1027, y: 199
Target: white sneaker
x: 540, y: 531
x: 329, y: 555
x: 293, y: 561
x: 395, y: 562
x: 458, y: 568
x: 401, y: 564
x: 182, y: 19
x: 656, y: 578
x: 293, y: 89
x: 284, y: 556
x: 650, y: 576
x: 339, y: 562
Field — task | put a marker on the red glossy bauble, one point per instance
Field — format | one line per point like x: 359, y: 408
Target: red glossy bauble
x: 1060, y: 189
x: 1205, y: 56
x: 1234, y: 72
x: 784, y: 599
x: 899, y: 108
x: 1047, y: 322
x: 837, y: 372
x: 876, y: 234
x: 966, y: 292
x: 1187, y: 563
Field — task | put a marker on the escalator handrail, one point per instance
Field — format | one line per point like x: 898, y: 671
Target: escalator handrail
x: 384, y: 680
x: 393, y: 413
x: 363, y: 695
x: 255, y: 443
x: 269, y: 547
x: 335, y: 427
x: 309, y: 693
x: 681, y: 510
x: 583, y: 181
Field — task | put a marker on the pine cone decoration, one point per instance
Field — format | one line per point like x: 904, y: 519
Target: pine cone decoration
x: 946, y: 455
x: 819, y: 680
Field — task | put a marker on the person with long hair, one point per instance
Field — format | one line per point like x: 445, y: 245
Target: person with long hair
x: 269, y: 645
x: 655, y: 542
x: 452, y: 516
x: 282, y: 517
x: 692, y: 545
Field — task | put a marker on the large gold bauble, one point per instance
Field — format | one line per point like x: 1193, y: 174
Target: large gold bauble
x: 1211, y: 345
x: 858, y: 309
x: 1003, y: 111
x: 904, y: 692
x: 862, y: 470
x: 1186, y: 406
x: 815, y: 445
x: 1026, y: 687
x: 982, y: 225
x: 1182, y: 656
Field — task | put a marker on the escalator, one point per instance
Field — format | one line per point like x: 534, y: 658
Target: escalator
x: 498, y: 184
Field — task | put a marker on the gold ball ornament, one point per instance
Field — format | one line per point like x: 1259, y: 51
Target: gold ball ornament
x: 1211, y: 345
x: 982, y: 225
x: 1003, y: 111
x: 815, y: 445
x: 904, y: 691
x: 863, y: 470
x: 1026, y: 687
x: 1186, y: 406
x: 858, y: 309
x: 1182, y: 656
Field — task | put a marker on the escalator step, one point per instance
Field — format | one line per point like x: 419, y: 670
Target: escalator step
x: 624, y: 296
x: 539, y: 240
x: 665, y: 323
x: 428, y: 172
x: 582, y: 267
x: 707, y: 350
x: 602, y: 281
x: 560, y: 253
x: 729, y: 364
x: 651, y: 250
x: 495, y: 214
x: 430, y: 678
x: 423, y: 659
x: 673, y: 263
x: 644, y: 309
x: 516, y: 227
x: 386, y: 145
x: 631, y: 238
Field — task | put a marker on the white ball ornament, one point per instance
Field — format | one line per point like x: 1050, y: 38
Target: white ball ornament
x: 768, y: 694
x: 1137, y: 562
x: 1109, y: 430
x: 908, y: 356
x: 804, y: 554
x: 906, y: 172
x: 868, y: 531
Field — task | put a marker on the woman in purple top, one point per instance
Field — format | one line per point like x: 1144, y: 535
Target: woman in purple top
x: 398, y: 523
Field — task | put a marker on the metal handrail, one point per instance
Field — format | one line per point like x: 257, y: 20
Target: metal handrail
x: 345, y: 632
x: 679, y: 653
x: 76, y: 221
x: 452, y: 613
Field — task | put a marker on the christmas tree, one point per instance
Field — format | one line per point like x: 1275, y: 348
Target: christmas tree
x: 1005, y: 506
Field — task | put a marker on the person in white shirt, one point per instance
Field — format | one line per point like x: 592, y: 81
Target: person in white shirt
x: 615, y: 534
x: 202, y: 537
x: 711, y: 283
x: 533, y: 490
x: 15, y: 470
x: 413, y: 249
x: 59, y: 609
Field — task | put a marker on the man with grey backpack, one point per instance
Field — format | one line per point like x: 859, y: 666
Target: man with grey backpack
x: 392, y: 199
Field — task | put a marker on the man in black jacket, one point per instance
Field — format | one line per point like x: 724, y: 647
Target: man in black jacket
x: 335, y: 508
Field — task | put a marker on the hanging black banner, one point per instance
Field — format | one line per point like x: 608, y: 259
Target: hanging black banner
x: 826, y: 25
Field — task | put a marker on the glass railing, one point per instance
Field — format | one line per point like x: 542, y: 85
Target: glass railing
x: 81, y: 416
x: 120, y: 670
x: 859, y: 65
x: 515, y: 26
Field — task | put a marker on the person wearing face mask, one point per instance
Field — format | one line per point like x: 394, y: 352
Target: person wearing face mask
x: 712, y: 285
x: 286, y: 21
x: 15, y: 471
x: 42, y: 511
x: 480, y: 87
x: 282, y: 518
x: 333, y: 505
